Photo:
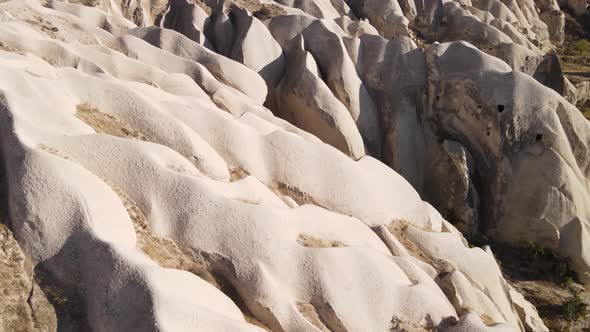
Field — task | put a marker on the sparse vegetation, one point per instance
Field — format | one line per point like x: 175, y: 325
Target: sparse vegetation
x: 546, y: 279
x: 582, y: 46
x: 574, y: 308
x: 529, y: 261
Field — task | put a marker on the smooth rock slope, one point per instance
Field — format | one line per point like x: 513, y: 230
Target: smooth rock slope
x: 469, y: 127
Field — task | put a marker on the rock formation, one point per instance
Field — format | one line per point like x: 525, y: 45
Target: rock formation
x: 259, y: 165
x: 520, y: 174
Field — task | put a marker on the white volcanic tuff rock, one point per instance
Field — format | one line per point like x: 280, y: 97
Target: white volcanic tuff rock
x: 498, y: 102
x: 209, y: 201
x: 225, y: 70
x: 249, y: 43
x: 406, y: 122
x: 93, y: 227
x: 110, y: 23
x: 395, y: 74
x: 494, y: 36
x: 306, y: 101
x: 550, y: 13
x: 504, y: 17
x: 451, y: 172
x: 54, y: 24
x: 294, y: 164
x: 495, y: 9
x: 469, y: 278
x: 355, y: 28
x: 338, y: 71
x: 222, y: 95
x: 479, y: 27
x: 399, y: 104
x: 472, y: 323
x: 254, y: 225
x: 523, y: 58
x: 187, y: 18
x: 427, y: 18
x: 96, y: 59
x: 535, y: 159
x: 398, y: 100
x: 386, y: 16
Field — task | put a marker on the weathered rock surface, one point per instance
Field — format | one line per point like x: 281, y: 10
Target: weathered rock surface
x: 23, y: 305
x: 408, y: 103
x: 165, y: 161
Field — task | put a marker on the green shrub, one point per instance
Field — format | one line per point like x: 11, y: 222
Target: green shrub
x: 574, y: 308
x: 582, y: 46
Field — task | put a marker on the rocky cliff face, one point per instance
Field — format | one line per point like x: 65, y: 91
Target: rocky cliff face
x: 260, y: 165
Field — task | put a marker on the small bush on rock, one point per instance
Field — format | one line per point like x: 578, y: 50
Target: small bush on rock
x: 574, y: 308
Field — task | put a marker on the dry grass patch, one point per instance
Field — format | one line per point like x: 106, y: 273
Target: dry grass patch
x: 398, y: 228
x: 203, y: 6
x: 54, y: 151
x: 7, y: 47
x: 300, y: 197
x: 44, y: 26
x: 104, y: 123
x: 308, y: 311
x: 262, y: 11
x: 90, y: 3
x: 237, y: 173
x: 269, y: 11
x: 489, y: 321
x: 311, y: 241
